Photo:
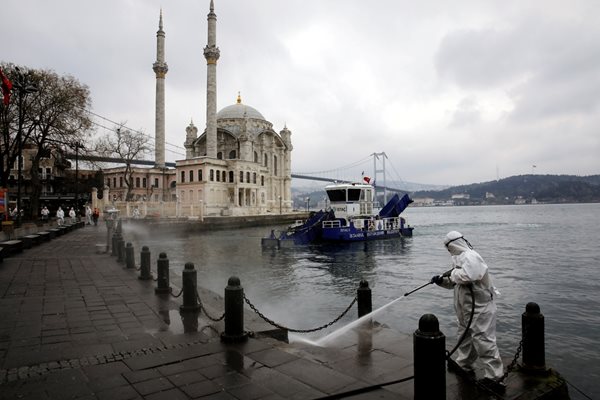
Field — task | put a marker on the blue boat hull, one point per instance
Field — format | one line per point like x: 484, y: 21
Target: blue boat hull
x: 351, y: 234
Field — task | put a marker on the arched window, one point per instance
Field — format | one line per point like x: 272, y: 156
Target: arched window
x: 144, y: 183
x: 275, y: 165
x: 241, y: 176
x: 199, y: 175
x: 212, y: 175
x: 232, y: 155
x: 248, y: 177
x: 254, y: 177
x: 262, y: 180
x: 218, y: 176
x: 266, y: 160
x: 220, y: 155
x: 231, y: 176
x: 191, y: 175
x: 182, y: 176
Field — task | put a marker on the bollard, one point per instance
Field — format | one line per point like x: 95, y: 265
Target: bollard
x: 162, y: 272
x: 363, y: 299
x: 429, y: 360
x: 129, y: 256
x: 532, y: 322
x: 189, y: 283
x: 145, y: 274
x: 121, y: 249
x: 115, y: 244
x: 234, y: 312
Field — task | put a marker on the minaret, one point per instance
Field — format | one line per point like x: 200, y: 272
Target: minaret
x: 211, y: 53
x: 160, y: 69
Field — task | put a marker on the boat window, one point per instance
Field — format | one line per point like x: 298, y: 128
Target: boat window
x: 337, y: 195
x: 353, y: 194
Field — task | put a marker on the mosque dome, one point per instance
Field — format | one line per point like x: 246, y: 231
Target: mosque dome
x: 239, y: 110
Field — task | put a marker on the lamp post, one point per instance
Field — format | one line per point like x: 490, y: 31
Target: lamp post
x: 307, y: 203
x: 77, y: 146
x: 24, y: 87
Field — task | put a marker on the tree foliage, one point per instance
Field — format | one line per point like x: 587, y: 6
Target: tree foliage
x: 50, y: 116
x: 126, y: 145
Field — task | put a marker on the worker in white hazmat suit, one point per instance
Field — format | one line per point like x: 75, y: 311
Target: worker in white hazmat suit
x: 480, y: 339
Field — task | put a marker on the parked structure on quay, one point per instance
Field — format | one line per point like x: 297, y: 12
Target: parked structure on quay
x: 238, y: 166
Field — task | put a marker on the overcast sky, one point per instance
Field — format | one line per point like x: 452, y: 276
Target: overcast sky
x: 454, y: 92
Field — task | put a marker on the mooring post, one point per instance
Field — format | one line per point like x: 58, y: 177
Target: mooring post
x: 121, y: 249
x: 145, y: 264
x: 129, y: 256
x: 189, y: 283
x: 364, y: 299
x: 234, y: 312
x: 429, y: 355
x: 532, y: 321
x: 162, y: 274
x: 115, y: 244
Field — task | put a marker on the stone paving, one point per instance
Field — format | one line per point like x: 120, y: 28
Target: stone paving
x: 78, y: 325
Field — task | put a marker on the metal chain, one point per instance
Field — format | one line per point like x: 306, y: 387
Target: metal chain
x: 275, y: 324
x: 513, y: 363
x: 176, y: 295
x: 206, y: 312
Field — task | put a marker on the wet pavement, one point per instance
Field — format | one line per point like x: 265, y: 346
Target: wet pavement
x: 75, y: 324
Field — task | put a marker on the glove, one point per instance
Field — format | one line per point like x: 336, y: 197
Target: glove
x: 437, y: 280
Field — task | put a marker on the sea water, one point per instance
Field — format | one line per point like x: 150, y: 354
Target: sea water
x: 543, y: 253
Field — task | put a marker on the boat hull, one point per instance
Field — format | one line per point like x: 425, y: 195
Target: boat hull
x: 351, y: 234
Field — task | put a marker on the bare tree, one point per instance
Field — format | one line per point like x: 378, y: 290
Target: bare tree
x: 126, y: 145
x: 48, y: 112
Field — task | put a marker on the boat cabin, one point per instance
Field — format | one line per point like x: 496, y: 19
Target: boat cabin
x: 351, y: 199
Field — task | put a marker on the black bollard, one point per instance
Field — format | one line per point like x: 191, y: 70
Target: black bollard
x: 162, y: 272
x: 532, y: 322
x: 129, y: 256
x: 115, y: 244
x: 189, y: 283
x: 234, y: 312
x: 121, y: 249
x: 429, y: 360
x: 145, y: 264
x: 363, y: 299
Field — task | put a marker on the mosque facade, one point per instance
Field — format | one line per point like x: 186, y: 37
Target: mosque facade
x: 238, y: 165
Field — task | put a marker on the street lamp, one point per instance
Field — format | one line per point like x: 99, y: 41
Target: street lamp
x: 307, y: 203
x: 23, y: 87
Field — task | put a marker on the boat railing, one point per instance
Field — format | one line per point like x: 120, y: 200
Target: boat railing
x: 336, y: 223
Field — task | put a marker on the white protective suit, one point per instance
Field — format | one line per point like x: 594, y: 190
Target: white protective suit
x: 480, y: 340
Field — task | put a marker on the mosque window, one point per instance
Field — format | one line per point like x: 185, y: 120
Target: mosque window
x: 114, y: 182
x: 256, y: 157
x: 254, y: 177
x: 218, y: 176
x: 144, y: 182
x: 266, y: 161
x: 262, y: 180
x: 275, y: 165
x: 231, y: 176
x: 220, y: 155
x: 248, y: 177
x: 182, y: 176
x: 199, y: 175
x: 212, y: 175
x: 137, y: 182
x: 191, y: 175
x: 156, y: 182
x: 232, y: 155
x: 241, y: 176
x: 120, y: 181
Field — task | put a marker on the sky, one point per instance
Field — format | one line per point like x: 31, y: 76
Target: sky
x: 453, y: 92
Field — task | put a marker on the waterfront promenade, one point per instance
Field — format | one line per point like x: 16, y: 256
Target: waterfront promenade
x: 75, y: 324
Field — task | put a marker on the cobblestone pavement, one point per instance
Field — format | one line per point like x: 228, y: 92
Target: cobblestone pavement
x: 76, y: 324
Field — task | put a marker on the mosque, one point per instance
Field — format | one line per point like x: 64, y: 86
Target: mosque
x: 239, y: 165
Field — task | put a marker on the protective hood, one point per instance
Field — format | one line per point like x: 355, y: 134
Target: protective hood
x: 456, y: 243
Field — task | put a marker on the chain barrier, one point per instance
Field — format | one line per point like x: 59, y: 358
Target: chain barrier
x: 202, y: 308
x: 176, y: 295
x: 513, y: 363
x: 275, y: 324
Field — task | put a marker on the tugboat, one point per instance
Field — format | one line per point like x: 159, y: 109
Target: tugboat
x: 352, y: 217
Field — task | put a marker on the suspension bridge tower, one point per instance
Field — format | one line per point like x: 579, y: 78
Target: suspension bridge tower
x: 379, y: 170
